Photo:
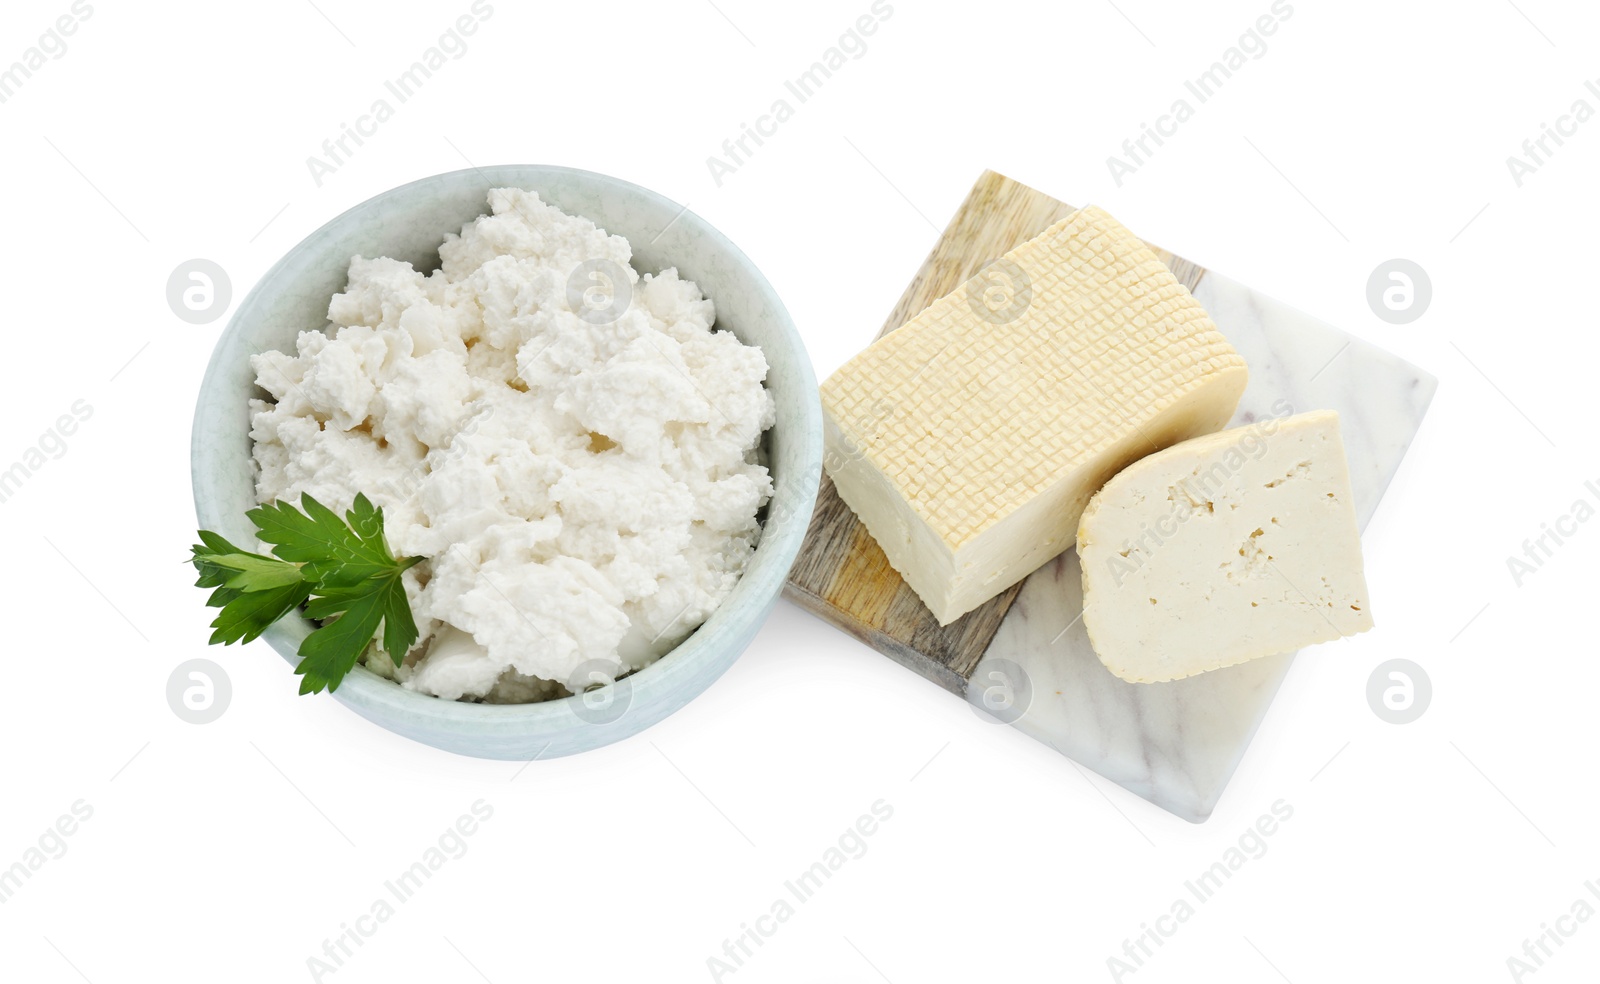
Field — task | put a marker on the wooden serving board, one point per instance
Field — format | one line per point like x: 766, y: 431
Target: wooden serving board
x: 841, y: 575
x: 1024, y: 656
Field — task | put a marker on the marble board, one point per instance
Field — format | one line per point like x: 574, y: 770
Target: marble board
x: 1025, y: 656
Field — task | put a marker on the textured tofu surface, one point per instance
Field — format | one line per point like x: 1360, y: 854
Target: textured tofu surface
x: 969, y: 440
x: 1223, y: 549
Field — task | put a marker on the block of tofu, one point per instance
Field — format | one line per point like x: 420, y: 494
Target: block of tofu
x: 969, y: 439
x: 1222, y: 549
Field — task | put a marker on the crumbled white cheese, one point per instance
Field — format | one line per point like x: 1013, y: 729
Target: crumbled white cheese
x: 582, y: 491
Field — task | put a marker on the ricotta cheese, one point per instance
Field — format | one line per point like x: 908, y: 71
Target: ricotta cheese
x: 1223, y: 549
x: 582, y: 476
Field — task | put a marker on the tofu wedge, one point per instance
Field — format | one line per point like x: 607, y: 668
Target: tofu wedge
x: 1222, y: 549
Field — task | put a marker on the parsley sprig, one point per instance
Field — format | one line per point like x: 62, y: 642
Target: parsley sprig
x: 340, y: 569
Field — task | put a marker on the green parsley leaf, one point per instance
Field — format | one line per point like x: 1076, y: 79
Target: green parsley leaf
x: 246, y: 616
x: 253, y: 572
x: 253, y: 591
x: 342, y: 571
x: 331, y: 651
x: 332, y: 552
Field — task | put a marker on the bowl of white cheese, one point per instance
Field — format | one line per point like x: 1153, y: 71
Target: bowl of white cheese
x: 579, y: 402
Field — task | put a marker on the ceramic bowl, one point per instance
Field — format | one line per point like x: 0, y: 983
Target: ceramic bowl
x: 409, y: 223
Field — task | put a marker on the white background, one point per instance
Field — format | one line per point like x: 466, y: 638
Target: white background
x: 1428, y: 851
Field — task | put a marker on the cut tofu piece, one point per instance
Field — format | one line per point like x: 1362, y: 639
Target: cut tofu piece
x: 969, y: 440
x: 1223, y: 549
